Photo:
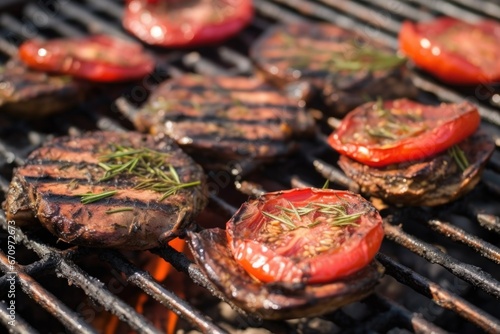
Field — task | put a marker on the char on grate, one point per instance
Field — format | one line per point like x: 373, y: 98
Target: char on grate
x: 442, y: 264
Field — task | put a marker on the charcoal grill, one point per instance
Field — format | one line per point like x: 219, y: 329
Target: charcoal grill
x: 442, y: 264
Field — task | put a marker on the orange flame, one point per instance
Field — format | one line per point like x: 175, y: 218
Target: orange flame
x: 160, y: 270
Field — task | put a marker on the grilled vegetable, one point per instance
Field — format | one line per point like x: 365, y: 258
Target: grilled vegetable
x: 96, y: 58
x: 456, y: 52
x: 105, y: 189
x: 345, y: 67
x: 221, y: 119
x: 33, y: 94
x: 271, y: 300
x: 378, y: 134
x: 172, y: 23
x: 413, y: 154
x: 294, y: 253
x: 305, y: 235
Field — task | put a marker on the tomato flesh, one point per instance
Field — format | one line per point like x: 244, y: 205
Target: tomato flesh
x: 454, y: 51
x: 183, y: 23
x: 97, y: 58
x: 402, y: 130
x: 305, y: 235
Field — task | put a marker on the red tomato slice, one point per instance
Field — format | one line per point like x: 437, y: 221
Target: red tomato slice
x: 96, y: 58
x: 173, y: 23
x: 402, y: 130
x: 454, y: 51
x: 305, y: 235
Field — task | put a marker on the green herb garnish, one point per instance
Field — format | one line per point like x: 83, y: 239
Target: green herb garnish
x: 365, y: 58
x: 394, y: 126
x: 336, y: 215
x: 459, y: 156
x: 282, y: 218
x: 91, y: 197
x: 111, y: 211
x: 147, y: 166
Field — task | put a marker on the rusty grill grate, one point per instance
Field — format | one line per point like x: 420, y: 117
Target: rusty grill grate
x: 441, y: 264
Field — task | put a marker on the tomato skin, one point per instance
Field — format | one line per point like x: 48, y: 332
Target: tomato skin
x: 150, y: 21
x: 445, y: 126
x: 271, y: 262
x: 97, y: 58
x: 422, y: 42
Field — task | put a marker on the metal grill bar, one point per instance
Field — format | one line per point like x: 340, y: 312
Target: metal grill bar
x: 144, y: 281
x: 92, y: 287
x: 44, y: 298
x: 326, y: 13
x: 21, y: 326
x: 33, y: 269
x: 447, y: 8
x: 268, y: 9
x: 439, y: 295
x: 402, y: 8
x: 366, y: 14
x: 412, y: 321
x: 489, y: 114
x: 94, y: 23
x: 465, y: 271
x: 486, y: 8
x: 484, y: 248
x: 183, y: 264
x: 53, y: 21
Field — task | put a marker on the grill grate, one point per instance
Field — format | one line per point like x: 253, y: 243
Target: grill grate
x: 455, y: 235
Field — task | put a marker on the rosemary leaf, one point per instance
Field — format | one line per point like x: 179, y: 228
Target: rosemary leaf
x: 347, y: 219
x: 368, y: 58
x: 331, y: 208
x: 133, y: 164
x: 381, y: 132
x: 281, y: 219
x: 174, y: 173
x: 91, y: 197
x: 104, y: 166
x: 111, y: 211
x: 294, y: 209
x: 459, y: 156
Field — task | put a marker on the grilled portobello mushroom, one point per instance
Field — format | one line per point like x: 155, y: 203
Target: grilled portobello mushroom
x: 346, y: 68
x: 32, y: 94
x: 429, y: 182
x: 274, y: 301
x: 224, y: 119
x: 410, y: 153
x: 107, y: 189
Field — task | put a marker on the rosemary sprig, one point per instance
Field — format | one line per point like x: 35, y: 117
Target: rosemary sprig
x: 127, y: 208
x: 365, y: 57
x: 392, y: 126
x: 459, y: 156
x: 92, y: 197
x: 381, y: 132
x: 148, y: 168
x: 337, y: 215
